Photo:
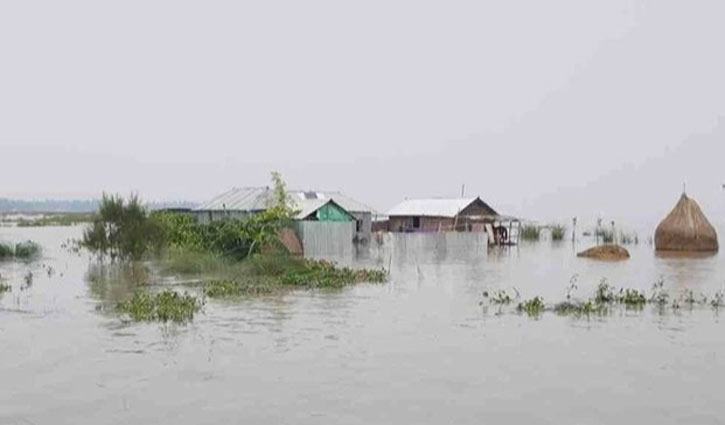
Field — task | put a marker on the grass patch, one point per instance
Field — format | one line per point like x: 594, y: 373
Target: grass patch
x: 6, y: 250
x: 605, y: 235
x: 585, y: 308
x: 632, y: 298
x: 530, y: 232
x: 558, y: 232
x: 533, y: 307
x: 22, y: 250
x: 264, y: 274
x: 166, y: 306
x: 27, y: 250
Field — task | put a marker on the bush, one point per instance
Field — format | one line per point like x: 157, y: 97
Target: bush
x: 231, y: 238
x: 26, y: 250
x: 6, y: 250
x: 607, y: 236
x: 530, y: 232
x: 22, y: 250
x: 558, y: 232
x: 122, y: 229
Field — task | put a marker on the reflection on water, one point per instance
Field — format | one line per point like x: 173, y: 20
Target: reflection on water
x: 113, y: 282
x: 419, y: 349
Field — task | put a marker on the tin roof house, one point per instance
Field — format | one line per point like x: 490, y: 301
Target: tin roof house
x: 453, y: 214
x: 312, y: 206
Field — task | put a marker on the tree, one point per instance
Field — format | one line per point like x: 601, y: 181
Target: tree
x: 122, y: 229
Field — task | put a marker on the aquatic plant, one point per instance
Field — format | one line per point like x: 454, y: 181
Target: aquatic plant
x: 500, y: 297
x: 604, y: 293
x: 718, y: 300
x: 6, y: 250
x: 659, y: 294
x: 325, y: 274
x: 558, y: 232
x: 533, y: 307
x: 584, y: 308
x: 22, y: 250
x: 166, y: 306
x: 631, y: 298
x: 222, y: 288
x: 27, y: 281
x: 530, y: 232
x: 605, y: 235
x: 628, y: 238
x: 27, y: 250
x: 4, y: 287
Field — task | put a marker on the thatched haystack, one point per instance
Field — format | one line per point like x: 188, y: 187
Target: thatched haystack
x: 686, y: 229
x: 609, y: 252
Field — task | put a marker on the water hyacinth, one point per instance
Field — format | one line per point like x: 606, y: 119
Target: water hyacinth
x: 166, y: 306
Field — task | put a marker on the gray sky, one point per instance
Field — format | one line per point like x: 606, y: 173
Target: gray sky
x: 528, y: 103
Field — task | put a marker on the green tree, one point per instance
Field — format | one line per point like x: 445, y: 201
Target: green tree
x: 122, y: 229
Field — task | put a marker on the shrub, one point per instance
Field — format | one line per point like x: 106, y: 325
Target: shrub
x: 530, y: 232
x: 558, y: 232
x: 607, y: 236
x: 6, y: 250
x: 27, y: 250
x: 533, y: 307
x: 122, y: 229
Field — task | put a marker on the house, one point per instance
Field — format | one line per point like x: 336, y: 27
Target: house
x: 327, y: 223
x: 240, y: 202
x: 454, y: 214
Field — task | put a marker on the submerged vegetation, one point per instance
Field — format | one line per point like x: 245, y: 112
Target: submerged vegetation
x: 558, y: 232
x: 166, y: 306
x: 272, y: 274
x: 605, y: 235
x: 605, y: 299
x: 530, y: 232
x: 237, y: 257
x: 27, y: 250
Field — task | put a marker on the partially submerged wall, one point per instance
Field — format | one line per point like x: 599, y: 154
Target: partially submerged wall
x: 322, y: 239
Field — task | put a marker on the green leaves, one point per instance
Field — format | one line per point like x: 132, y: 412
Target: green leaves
x: 122, y: 229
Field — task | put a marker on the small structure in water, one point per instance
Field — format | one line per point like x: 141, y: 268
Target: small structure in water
x: 686, y: 228
x: 453, y: 215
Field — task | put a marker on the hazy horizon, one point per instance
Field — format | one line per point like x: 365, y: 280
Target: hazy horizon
x: 544, y: 110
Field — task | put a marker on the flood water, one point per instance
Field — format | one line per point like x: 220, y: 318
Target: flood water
x: 419, y: 349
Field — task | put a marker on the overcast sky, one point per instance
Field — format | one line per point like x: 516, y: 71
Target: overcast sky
x: 519, y: 100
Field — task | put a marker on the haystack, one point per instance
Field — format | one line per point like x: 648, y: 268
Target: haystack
x: 686, y: 229
x: 609, y: 252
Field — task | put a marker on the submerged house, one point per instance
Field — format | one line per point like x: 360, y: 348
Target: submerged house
x: 326, y: 222
x: 454, y: 214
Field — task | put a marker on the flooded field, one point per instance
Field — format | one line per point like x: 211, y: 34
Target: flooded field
x: 419, y: 349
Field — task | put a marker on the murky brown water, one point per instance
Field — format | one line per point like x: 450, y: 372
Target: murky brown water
x: 417, y: 350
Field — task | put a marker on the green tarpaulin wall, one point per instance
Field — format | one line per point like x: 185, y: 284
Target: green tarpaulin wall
x: 331, y: 212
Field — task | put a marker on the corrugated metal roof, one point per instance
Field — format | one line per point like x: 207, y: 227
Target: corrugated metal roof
x: 238, y: 199
x: 309, y: 206
x: 436, y: 207
x: 257, y: 199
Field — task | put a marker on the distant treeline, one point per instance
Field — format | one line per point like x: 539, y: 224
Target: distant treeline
x: 72, y: 206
